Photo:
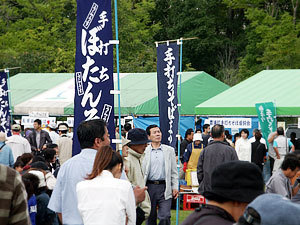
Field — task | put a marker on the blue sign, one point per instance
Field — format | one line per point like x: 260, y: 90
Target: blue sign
x: 4, y: 105
x: 167, y: 69
x: 93, y: 66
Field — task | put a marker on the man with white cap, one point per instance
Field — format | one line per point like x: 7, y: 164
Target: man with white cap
x: 6, y: 155
x: 17, y: 143
x: 64, y: 144
x: 53, y: 135
x: 192, y: 153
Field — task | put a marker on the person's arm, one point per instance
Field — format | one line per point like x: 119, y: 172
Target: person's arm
x: 275, y: 147
x: 174, y: 175
x: 200, y: 166
x: 272, y: 137
x: 29, y: 139
x: 139, y: 194
x: 11, y: 158
x: 295, y: 190
x: 55, y: 203
x: 131, y: 208
x: 48, y: 139
x: 291, y: 146
x: 60, y: 218
x: 186, y: 157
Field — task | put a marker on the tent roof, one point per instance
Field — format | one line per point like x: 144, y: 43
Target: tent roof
x: 54, y: 92
x: 139, y: 93
x: 279, y: 86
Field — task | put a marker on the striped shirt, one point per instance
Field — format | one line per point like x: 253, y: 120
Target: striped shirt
x: 13, y: 198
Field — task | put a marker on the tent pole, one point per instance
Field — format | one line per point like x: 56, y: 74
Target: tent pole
x: 118, y: 71
x: 178, y: 134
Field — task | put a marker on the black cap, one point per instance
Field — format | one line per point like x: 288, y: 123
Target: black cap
x: 137, y: 136
x: 239, y: 181
x: 39, y: 165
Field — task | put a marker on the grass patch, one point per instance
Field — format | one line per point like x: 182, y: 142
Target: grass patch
x: 182, y: 216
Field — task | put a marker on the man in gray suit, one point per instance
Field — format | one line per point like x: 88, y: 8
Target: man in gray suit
x: 38, y: 137
x: 161, y: 176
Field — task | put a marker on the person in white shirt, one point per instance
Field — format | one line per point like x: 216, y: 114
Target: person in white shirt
x: 262, y: 140
x: 17, y: 143
x: 103, y: 198
x: 243, y: 146
x: 52, y: 133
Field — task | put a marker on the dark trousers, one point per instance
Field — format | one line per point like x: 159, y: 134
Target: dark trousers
x: 157, y: 197
x: 271, y: 164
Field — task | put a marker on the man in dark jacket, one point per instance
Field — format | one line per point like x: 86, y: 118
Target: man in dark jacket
x: 234, y: 185
x: 38, y: 137
x: 188, y: 138
x: 214, y: 154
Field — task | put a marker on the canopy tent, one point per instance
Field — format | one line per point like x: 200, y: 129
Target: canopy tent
x: 54, y: 93
x: 279, y: 86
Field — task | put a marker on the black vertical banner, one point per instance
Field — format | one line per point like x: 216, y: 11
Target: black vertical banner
x: 93, y: 66
x: 4, y: 105
x: 167, y: 68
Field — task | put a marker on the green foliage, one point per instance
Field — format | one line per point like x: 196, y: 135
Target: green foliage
x: 235, y: 38
x: 136, y: 32
x: 273, y: 40
x: 218, y: 29
x: 40, y: 35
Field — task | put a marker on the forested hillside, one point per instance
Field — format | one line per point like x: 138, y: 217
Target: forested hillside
x: 236, y: 38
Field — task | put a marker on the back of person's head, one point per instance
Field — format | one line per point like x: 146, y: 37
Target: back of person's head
x: 38, y: 158
x: 198, y: 130
x: 280, y: 131
x: 255, y: 130
x: 51, y: 145
x: 150, y: 127
x: 18, y: 163
x: 290, y: 161
x: 293, y: 135
x: 188, y: 132
x: 38, y: 121
x: 127, y: 127
x: 205, y: 126
x: 246, y: 131
x: 31, y: 183
x: 106, y: 159
x: 235, y: 136
x: 49, y: 154
x: 226, y: 133
x: 257, y: 136
x: 238, y: 181
x: 26, y: 158
x: 217, y: 131
x: 40, y: 165
x: 89, y: 130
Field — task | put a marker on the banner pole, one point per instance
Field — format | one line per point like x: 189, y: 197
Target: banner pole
x: 178, y: 135
x: 118, y: 70
x: 9, y: 94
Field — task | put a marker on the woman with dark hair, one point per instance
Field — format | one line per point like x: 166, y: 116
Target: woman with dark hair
x: 243, y: 146
x: 103, y: 198
x: 26, y: 158
x: 50, y: 158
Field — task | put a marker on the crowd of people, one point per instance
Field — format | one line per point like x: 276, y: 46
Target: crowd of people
x: 43, y: 184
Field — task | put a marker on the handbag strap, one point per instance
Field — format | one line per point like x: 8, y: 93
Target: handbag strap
x: 2, y: 146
